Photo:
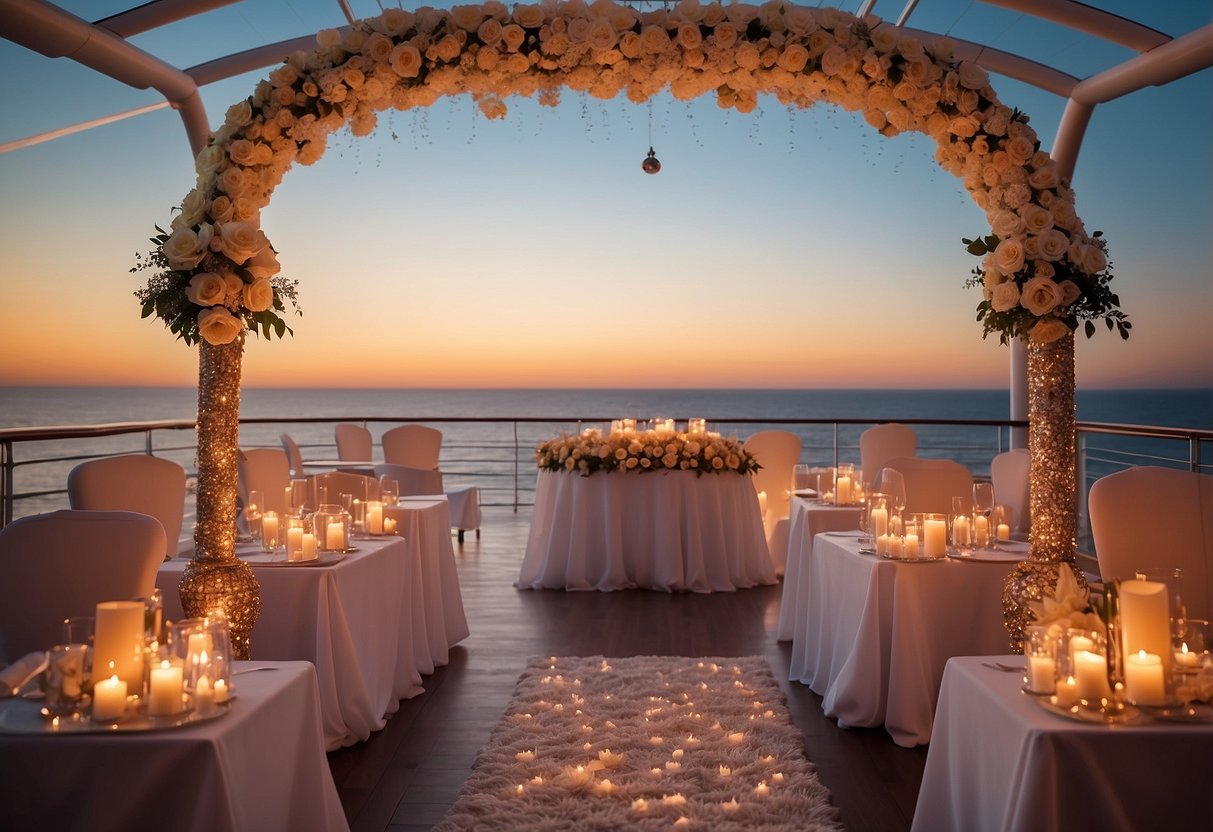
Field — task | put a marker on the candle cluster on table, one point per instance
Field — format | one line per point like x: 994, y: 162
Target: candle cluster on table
x: 918, y: 536
x: 333, y: 526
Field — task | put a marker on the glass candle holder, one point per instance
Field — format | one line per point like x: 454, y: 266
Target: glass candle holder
x: 961, y: 525
x: 270, y: 540
x: 1040, y: 660
x: 290, y: 528
x: 1083, y: 656
x: 933, y: 529
x: 332, y: 527
x: 876, y: 517
x: 844, y: 484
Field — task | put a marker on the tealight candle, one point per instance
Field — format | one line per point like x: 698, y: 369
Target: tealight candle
x: 374, y: 517
x: 389, y: 525
x: 1067, y: 692
x: 1186, y: 659
x: 164, y: 689
x: 1144, y: 680
x: 221, y: 692
x: 1004, y: 531
x: 1091, y: 674
x: 109, y: 699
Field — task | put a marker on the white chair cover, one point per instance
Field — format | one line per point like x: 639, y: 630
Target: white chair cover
x: 353, y: 442
x: 293, y: 455
x: 415, y: 446
x: 327, y: 487
x: 879, y: 444
x: 1009, y: 472
x: 413, y: 482
x: 58, y: 565
x: 265, y: 470
x: 146, y: 484
x: 1156, y: 518
x: 777, y: 451
x: 932, y: 483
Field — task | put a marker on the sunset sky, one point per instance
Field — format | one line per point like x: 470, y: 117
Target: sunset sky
x: 776, y: 249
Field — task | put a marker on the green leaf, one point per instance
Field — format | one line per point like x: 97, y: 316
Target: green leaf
x: 1090, y: 328
x: 279, y: 326
x: 977, y: 248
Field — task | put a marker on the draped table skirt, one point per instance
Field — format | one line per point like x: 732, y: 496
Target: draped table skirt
x: 664, y: 530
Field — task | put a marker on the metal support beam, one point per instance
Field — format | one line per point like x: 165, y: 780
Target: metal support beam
x: 1093, y: 21
x: 1173, y: 60
x: 155, y: 14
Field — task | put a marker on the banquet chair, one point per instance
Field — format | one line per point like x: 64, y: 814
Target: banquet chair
x: 353, y: 442
x: 420, y: 482
x: 1009, y: 472
x: 415, y: 446
x: 147, y: 484
x: 293, y: 455
x: 265, y: 470
x: 327, y: 487
x: 777, y: 451
x: 879, y: 444
x: 932, y: 483
x: 61, y: 565
x: 1151, y: 518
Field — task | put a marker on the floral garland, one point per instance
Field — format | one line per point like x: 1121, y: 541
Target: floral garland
x: 1043, y: 271
x: 641, y: 451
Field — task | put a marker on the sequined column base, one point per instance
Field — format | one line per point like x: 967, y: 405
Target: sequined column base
x: 1052, y: 488
x: 216, y: 579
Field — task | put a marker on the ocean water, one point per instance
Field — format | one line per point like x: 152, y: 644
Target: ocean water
x: 489, y: 453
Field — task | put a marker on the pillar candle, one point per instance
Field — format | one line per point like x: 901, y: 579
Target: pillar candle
x: 981, y: 530
x: 842, y: 491
x: 1004, y: 531
x: 896, y: 547
x: 935, y: 538
x: 204, y: 696
x: 1091, y: 675
x: 109, y: 699
x: 1077, y: 645
x: 118, y: 640
x: 1067, y: 692
x: 878, y: 520
x: 269, y: 530
x: 1144, y: 678
x: 374, y: 517
x: 1145, y: 619
x: 164, y: 690
x: 294, y: 544
x: 334, y: 536
x: 960, y: 531
x: 1041, y: 674
x: 220, y: 690
x: 911, y: 545
x: 307, y: 549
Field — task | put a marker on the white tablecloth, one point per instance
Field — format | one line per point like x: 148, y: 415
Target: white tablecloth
x: 259, y: 767
x: 439, y: 621
x: 808, y: 518
x: 876, y: 633
x: 998, y: 761
x: 353, y: 620
x: 668, y: 530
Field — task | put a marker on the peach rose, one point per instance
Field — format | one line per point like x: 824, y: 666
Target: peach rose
x: 185, y: 248
x: 258, y: 295
x: 206, y: 289
x: 1005, y: 296
x: 218, y: 326
x: 1048, y: 331
x: 240, y: 240
x: 1041, y: 295
x: 1009, y: 256
x: 405, y: 60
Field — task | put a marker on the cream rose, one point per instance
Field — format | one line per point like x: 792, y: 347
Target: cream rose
x: 1069, y: 292
x: 489, y: 32
x: 218, y: 326
x: 239, y: 240
x: 1005, y: 296
x: 1035, y: 218
x: 529, y: 16
x: 206, y: 289
x: 1006, y: 224
x: 405, y: 60
x: 512, y: 35
x: 972, y: 76
x: 185, y: 248
x: 1009, y: 256
x: 794, y: 58
x: 258, y: 295
x: 654, y: 40
x: 263, y: 264
x: 1048, y: 331
x: 1053, y: 244
x: 211, y: 159
x: 1041, y: 295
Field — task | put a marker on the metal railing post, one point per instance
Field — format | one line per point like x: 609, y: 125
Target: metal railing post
x: 515, y: 467
x: 6, y: 484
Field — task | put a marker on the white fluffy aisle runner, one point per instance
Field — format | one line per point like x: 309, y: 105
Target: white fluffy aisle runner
x: 648, y: 742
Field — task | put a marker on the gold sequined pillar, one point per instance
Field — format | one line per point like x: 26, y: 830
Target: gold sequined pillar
x: 1052, y: 494
x: 216, y: 579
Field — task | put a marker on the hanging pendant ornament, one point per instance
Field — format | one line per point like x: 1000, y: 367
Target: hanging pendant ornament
x: 650, y: 164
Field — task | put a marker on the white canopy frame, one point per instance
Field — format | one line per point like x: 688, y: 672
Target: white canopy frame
x: 102, y: 45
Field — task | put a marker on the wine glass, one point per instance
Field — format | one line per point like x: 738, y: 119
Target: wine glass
x: 983, y: 507
x: 252, y: 516
x: 893, y: 484
x: 299, y: 497
x: 389, y: 490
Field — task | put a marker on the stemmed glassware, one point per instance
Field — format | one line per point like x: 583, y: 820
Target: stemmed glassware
x: 893, y: 486
x: 389, y: 490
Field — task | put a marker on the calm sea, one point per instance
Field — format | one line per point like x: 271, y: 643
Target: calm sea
x: 488, y: 450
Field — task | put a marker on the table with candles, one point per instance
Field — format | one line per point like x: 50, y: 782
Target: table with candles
x: 808, y: 518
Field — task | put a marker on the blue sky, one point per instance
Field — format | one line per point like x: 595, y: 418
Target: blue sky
x: 776, y: 249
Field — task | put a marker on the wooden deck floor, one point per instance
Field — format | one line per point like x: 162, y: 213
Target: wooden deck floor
x: 406, y: 776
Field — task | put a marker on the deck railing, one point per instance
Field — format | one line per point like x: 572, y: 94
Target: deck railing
x: 496, y: 454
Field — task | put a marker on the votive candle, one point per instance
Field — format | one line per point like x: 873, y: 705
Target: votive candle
x: 1042, y: 671
x: 294, y: 543
x: 1067, y: 692
x: 109, y: 699
x: 1144, y: 680
x: 334, y: 536
x: 878, y: 519
x: 165, y: 686
x: 389, y: 525
x: 374, y: 517
x: 1091, y: 675
x: 935, y: 538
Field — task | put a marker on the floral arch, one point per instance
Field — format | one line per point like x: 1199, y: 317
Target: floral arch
x: 215, y: 274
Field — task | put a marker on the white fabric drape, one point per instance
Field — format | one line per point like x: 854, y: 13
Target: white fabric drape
x: 808, y: 519
x: 668, y: 530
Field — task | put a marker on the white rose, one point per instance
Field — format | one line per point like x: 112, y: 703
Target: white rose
x: 972, y: 76
x: 284, y: 76
x: 263, y: 264
x: 1009, y: 256
x: 242, y: 152
x: 529, y: 16
x: 184, y: 249
x: 327, y: 38
x: 1069, y: 292
x: 654, y: 40
x: 211, y: 159
x: 1005, y: 296
x: 206, y: 289
x: 467, y: 17
x: 218, y: 326
x: 689, y: 36
x: 1053, y: 244
x: 1006, y: 224
x: 405, y: 60
x: 258, y: 295
x: 1094, y: 260
x: 193, y: 210
x: 1035, y: 218
x: 1041, y: 295
x: 239, y: 240
x: 239, y: 114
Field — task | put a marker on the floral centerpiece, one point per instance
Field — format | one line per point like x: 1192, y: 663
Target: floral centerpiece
x: 644, y: 450
x: 1068, y: 606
